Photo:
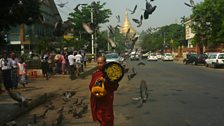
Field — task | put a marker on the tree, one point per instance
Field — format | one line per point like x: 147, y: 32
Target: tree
x: 13, y: 12
x: 208, y: 23
x: 83, y: 16
x: 168, y: 36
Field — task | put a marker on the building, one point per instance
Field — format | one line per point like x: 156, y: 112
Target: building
x: 25, y: 36
x: 189, y: 35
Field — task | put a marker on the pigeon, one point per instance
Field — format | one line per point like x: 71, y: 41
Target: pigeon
x: 19, y: 98
x: 134, y: 40
x: 131, y: 75
x: 44, y: 114
x: 61, y: 110
x: 112, y: 43
x: 12, y: 123
x: 127, y: 33
x: 61, y: 5
x: 118, y: 18
x: 143, y: 91
x: 87, y: 28
x: 77, y: 7
x: 67, y: 95
x: 111, y: 29
x: 188, y: 5
x: 192, y: 3
x: 59, y: 119
x: 149, y: 10
x: 141, y: 63
x: 139, y: 22
x: 133, y: 11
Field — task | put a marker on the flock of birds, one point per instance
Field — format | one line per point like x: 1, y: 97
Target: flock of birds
x: 71, y: 106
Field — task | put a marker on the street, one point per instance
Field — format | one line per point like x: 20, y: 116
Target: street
x: 179, y: 95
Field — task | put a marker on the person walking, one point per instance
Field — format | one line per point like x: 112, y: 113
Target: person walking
x: 22, y: 72
x: 78, y: 62
x: 5, y: 67
x: 102, y: 107
x: 71, y: 61
x: 14, y: 73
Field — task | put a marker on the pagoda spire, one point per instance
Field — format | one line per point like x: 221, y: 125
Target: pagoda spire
x: 126, y: 25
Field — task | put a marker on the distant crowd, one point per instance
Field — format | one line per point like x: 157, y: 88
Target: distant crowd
x: 13, y: 69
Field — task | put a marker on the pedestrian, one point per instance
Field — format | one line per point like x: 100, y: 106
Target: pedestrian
x: 84, y: 59
x: 22, y: 72
x: 14, y: 73
x: 78, y: 62
x: 5, y: 67
x: 102, y: 107
x: 71, y: 61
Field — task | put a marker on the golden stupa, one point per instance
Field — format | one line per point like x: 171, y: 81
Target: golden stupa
x: 126, y: 25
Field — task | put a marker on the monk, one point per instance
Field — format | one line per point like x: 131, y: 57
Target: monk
x: 102, y: 108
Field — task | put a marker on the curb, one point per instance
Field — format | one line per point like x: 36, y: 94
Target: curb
x: 18, y: 111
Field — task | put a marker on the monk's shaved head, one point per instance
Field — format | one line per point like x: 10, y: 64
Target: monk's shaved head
x: 101, y: 60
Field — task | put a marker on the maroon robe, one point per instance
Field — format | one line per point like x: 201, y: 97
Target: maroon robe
x: 102, y: 108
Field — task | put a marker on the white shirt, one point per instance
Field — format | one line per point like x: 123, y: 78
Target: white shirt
x: 78, y: 58
x: 71, y: 59
x: 5, y: 64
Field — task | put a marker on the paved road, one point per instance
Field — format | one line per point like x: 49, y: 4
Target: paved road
x: 179, y: 95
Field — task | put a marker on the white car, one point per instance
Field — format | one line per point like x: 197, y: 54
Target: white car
x: 152, y: 57
x: 159, y: 56
x: 167, y: 57
x: 215, y: 60
x: 134, y: 56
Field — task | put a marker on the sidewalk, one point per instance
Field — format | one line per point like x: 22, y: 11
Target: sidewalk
x: 41, y: 90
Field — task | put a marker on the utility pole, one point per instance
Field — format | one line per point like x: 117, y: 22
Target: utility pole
x: 92, y: 35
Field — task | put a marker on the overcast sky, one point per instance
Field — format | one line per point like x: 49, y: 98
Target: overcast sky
x: 167, y: 11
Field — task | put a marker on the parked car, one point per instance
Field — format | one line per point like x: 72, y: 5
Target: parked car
x: 152, y: 57
x: 134, y: 56
x: 112, y: 57
x: 195, y: 59
x: 167, y: 57
x: 215, y: 60
x: 158, y: 55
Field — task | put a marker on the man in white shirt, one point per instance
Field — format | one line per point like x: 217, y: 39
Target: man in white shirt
x: 78, y: 62
x: 5, y: 67
x: 71, y: 61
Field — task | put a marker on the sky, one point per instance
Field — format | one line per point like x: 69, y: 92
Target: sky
x: 167, y: 11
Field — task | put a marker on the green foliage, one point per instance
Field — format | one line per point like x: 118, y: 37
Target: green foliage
x: 13, y: 13
x: 84, y: 16
x: 208, y: 23
x: 154, y: 38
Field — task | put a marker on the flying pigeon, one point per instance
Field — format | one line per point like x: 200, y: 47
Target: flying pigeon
x: 62, y: 4
x: 111, y: 29
x: 133, y: 42
x: 188, y: 5
x: 133, y: 11
x: 77, y: 6
x: 112, y: 43
x: 87, y: 28
x: 118, y: 18
x: 139, y: 22
x: 149, y: 10
x: 192, y: 3
x: 127, y: 33
x: 19, y: 98
x: 131, y: 75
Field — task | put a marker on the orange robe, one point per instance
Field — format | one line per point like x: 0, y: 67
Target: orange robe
x: 102, y: 108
